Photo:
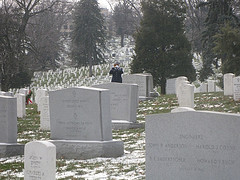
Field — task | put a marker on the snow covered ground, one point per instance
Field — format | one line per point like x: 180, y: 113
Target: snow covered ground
x: 130, y: 166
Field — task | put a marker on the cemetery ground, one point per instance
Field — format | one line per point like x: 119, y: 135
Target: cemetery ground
x: 132, y: 164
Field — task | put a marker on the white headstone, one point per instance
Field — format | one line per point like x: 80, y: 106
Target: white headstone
x: 21, y: 105
x: 171, y: 86
x: 40, y: 161
x: 193, y: 145
x: 178, y: 82
x: 44, y: 113
x: 228, y: 84
x: 41, y: 102
x: 211, y: 85
x: 186, y: 95
x: 40, y: 93
x: 203, y: 87
x: 236, y: 88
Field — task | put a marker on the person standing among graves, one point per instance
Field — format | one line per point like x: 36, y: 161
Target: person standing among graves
x: 116, y: 73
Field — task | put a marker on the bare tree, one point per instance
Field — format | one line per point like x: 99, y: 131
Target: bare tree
x: 44, y: 31
x: 194, y: 23
x: 126, y: 19
x: 15, y: 44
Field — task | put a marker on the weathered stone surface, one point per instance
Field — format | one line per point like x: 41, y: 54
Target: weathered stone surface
x: 193, y: 145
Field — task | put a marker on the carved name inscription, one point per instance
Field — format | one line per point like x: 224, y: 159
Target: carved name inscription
x: 35, y: 165
x: 196, y: 143
x: 39, y: 160
x: 236, y: 88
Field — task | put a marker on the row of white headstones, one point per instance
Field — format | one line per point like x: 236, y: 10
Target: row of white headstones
x: 185, y: 91
x: 72, y: 77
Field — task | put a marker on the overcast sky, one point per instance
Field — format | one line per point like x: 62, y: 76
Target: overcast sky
x: 104, y: 4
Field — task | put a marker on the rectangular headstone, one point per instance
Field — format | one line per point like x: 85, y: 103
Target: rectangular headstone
x: 41, y: 102
x: 144, y: 82
x: 80, y: 114
x: 236, y: 88
x: 171, y: 86
x: 40, y: 93
x: 8, y: 119
x: 186, y: 95
x: 203, y: 87
x: 228, y: 84
x: 40, y: 161
x: 211, y: 85
x: 123, y: 100
x: 21, y: 105
x: 178, y: 82
x: 44, y: 113
x: 194, y: 145
x: 140, y: 80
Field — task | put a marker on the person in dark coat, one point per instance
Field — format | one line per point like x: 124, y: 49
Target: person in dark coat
x: 116, y: 73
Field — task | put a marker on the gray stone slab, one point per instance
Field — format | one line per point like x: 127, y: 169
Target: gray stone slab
x: 123, y: 101
x: 171, y: 86
x: 8, y: 119
x: 11, y: 149
x: 80, y: 114
x: 81, y: 125
x: 120, y: 124
x: 144, y: 82
x: 193, y: 145
x: 70, y: 149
